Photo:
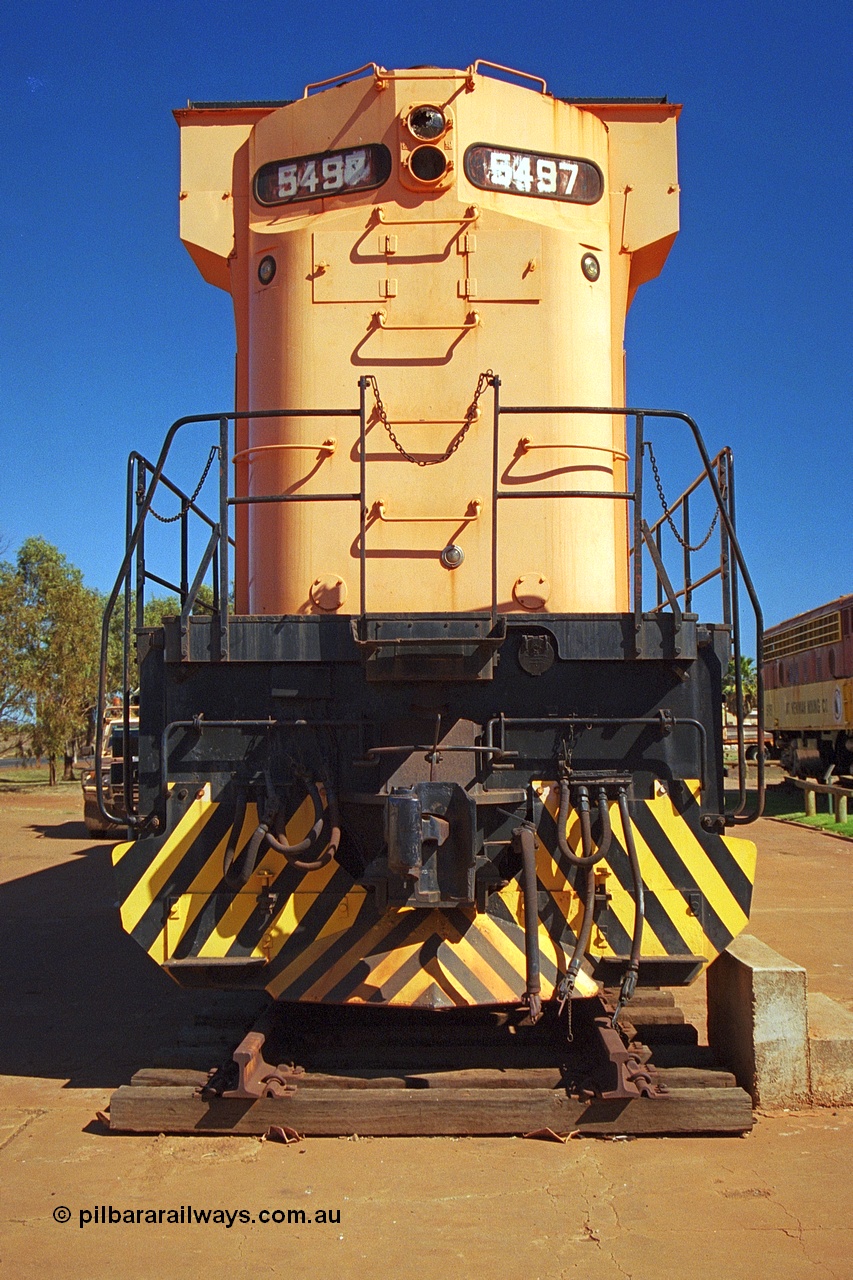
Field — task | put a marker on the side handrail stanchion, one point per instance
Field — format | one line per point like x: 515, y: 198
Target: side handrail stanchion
x: 639, y: 453
x: 222, y: 548
x: 496, y: 387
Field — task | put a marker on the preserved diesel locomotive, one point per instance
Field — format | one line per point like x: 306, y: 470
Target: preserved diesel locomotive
x: 451, y: 734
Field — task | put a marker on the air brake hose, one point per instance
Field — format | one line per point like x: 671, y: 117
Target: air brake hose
x: 310, y: 842
x: 629, y: 982
x: 527, y: 842
x: 243, y: 866
x: 567, y: 985
x: 587, y: 859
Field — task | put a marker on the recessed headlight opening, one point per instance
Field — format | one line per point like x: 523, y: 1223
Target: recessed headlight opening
x: 428, y: 164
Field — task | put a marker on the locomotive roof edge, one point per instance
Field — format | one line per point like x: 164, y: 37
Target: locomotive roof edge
x: 840, y: 602
x: 652, y: 101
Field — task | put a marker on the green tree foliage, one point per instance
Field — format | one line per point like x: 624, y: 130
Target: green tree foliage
x: 57, y: 630
x: 159, y: 607
x: 749, y: 684
x: 13, y: 694
x: 50, y: 637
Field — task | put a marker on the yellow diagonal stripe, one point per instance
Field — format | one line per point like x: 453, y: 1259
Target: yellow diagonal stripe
x: 703, y: 871
x: 339, y: 922
x: 165, y: 862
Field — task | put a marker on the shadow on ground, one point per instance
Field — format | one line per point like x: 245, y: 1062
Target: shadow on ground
x: 74, y: 830
x: 79, y: 999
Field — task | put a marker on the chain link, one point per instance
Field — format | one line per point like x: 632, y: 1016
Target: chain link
x: 186, y: 503
x: 471, y: 414
x: 667, y: 511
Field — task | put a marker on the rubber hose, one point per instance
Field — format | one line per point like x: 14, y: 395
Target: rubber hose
x: 606, y: 829
x: 244, y: 866
x: 589, y: 857
x: 584, y: 934
x: 310, y: 842
x: 629, y: 982
x: 527, y: 842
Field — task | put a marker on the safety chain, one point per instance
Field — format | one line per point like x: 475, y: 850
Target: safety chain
x: 471, y: 414
x: 186, y: 503
x: 667, y: 512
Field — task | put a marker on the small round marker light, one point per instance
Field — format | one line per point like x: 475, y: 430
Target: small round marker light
x: 452, y: 556
x: 266, y: 269
x: 427, y: 123
x: 590, y: 266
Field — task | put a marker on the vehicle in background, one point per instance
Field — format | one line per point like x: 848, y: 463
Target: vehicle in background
x: 112, y: 771
x: 750, y: 735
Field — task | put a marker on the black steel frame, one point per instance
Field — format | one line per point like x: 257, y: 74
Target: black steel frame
x: 718, y: 472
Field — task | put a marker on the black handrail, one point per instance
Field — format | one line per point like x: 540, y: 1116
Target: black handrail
x: 220, y: 541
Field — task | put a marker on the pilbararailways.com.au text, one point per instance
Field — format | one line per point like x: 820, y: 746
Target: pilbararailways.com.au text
x: 110, y: 1215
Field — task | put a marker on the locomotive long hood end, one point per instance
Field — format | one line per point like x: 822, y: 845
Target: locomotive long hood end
x: 452, y: 733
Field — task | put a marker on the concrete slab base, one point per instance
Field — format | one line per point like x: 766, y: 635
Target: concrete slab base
x: 758, y: 1022
x: 787, y: 1047
x: 830, y: 1051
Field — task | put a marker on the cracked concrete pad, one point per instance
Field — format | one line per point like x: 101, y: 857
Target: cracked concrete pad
x: 758, y: 1022
x: 830, y: 1051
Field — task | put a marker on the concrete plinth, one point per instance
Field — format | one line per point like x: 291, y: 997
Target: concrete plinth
x: 758, y: 1022
x: 830, y: 1051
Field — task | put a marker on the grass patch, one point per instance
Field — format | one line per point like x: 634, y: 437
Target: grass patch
x: 30, y: 778
x: 784, y: 800
x: 821, y: 822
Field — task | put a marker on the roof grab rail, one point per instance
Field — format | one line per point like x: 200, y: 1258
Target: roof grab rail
x: 497, y: 66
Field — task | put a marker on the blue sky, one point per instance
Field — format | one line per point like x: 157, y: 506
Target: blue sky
x: 109, y: 333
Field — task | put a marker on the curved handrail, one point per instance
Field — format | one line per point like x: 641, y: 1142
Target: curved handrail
x: 736, y: 819
x: 134, y: 820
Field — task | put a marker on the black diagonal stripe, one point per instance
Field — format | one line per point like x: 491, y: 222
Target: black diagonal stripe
x: 186, y: 870
x: 326, y: 902
x: 553, y: 916
x: 360, y: 973
x: 674, y: 866
x: 210, y: 917
x: 131, y: 868
x: 487, y: 952
x: 367, y: 917
x: 457, y: 969
x: 515, y: 935
x: 555, y: 920
x: 427, y: 951
x: 617, y: 936
x: 719, y: 855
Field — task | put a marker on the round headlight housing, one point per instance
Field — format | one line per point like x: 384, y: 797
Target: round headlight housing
x: 426, y: 122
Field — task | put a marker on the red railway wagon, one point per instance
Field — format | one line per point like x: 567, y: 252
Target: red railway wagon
x: 808, y: 684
